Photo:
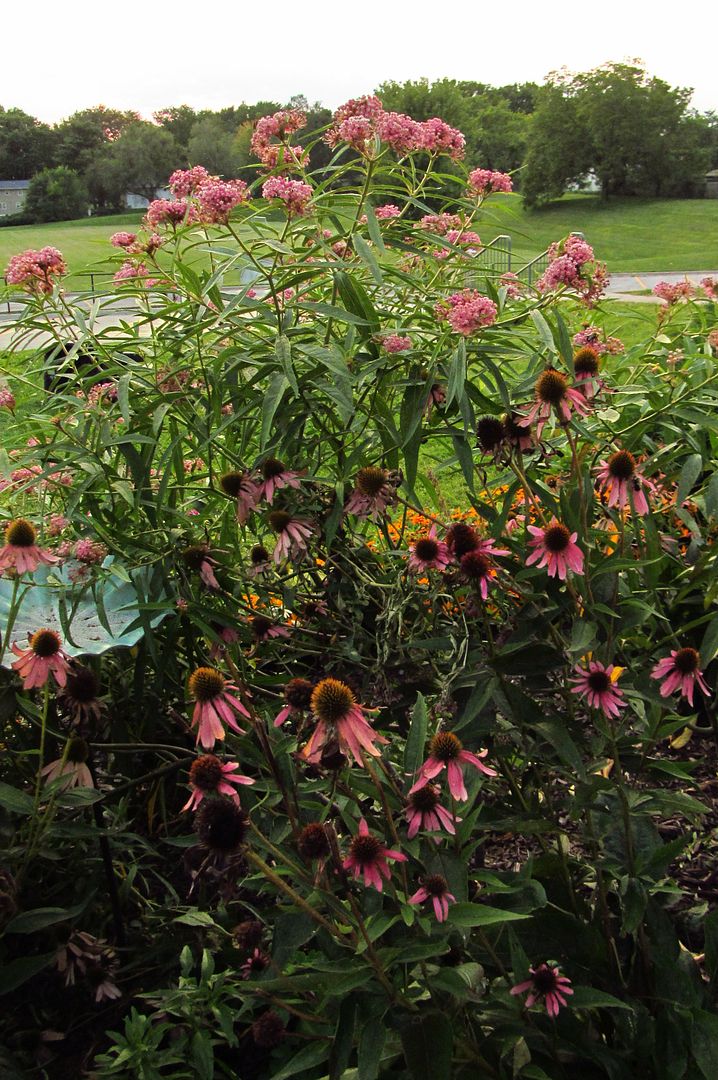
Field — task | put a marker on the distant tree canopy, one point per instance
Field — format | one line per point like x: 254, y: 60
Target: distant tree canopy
x: 634, y: 131
x: 26, y: 145
x: 58, y: 194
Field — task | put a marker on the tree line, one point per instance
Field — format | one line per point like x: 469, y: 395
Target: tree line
x: 637, y: 135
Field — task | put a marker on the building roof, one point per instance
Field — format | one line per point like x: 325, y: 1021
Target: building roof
x: 712, y: 174
x: 14, y: 185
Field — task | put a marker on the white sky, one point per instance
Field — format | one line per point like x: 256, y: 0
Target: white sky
x: 62, y: 55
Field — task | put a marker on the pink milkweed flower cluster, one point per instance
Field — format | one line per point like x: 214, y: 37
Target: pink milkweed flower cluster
x: 596, y: 685
x: 556, y: 549
x: 672, y: 293
x: 622, y: 482
x: 185, y: 182
x: 168, y: 212
x: 277, y: 126
x: 485, y: 181
x: 210, y: 776
x: 592, y: 337
x: 216, y: 704
x: 710, y: 287
x: 295, y: 194
x: 680, y: 671
x: 436, y: 137
x: 513, y: 285
x: 216, y: 199
x: 435, y: 887
x: 7, y: 398
x: 43, y: 657
x: 134, y: 272
x: 447, y: 752
x: 368, y: 858
x: 362, y: 122
x: 467, y: 311
x: 90, y: 551
x: 36, y: 271
x: 467, y: 239
x: 569, y: 263
x: 386, y: 212
x: 439, y: 223
x: 546, y: 982
x: 395, y: 343
x: 123, y: 239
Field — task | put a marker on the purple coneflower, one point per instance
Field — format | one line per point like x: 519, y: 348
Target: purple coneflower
x: 72, y: 767
x: 435, y: 888
x: 255, y: 964
x: 447, y: 752
x: 79, y: 697
x: 428, y: 553
x: 275, y: 476
x: 425, y: 813
x: 553, y: 392
x: 597, y: 685
x: 373, y: 492
x: 297, y: 698
x: 292, y: 535
x: 586, y: 366
x: 210, y: 776
x: 546, y: 982
x: 196, y: 557
x: 215, y: 705
x: 43, y: 657
x: 555, y: 548
x: 241, y: 486
x: 340, y: 718
x: 517, y: 433
x: 367, y: 858
x: 621, y: 480
x: 265, y: 628
x: 21, y: 551
x: 476, y: 568
x: 680, y: 671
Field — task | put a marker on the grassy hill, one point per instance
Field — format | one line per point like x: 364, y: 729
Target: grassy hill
x: 629, y: 234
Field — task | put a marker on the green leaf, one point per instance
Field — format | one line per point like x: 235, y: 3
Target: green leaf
x: 284, y: 354
x: 195, y: 918
x: 305, y: 1059
x: 689, y: 474
x: 28, y: 922
x: 17, y: 802
x: 374, y: 230
x: 367, y: 256
x: 585, y: 997
x: 343, y: 1039
x: 544, y: 330
x: 416, y: 739
x: 712, y: 496
x: 20, y: 971
x: 709, y: 645
x: 202, y: 1055
x: 371, y: 1044
x: 704, y: 1043
x: 428, y: 1044
x: 457, y: 374
x: 481, y: 915
x: 272, y: 399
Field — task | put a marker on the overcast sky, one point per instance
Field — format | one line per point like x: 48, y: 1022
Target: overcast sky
x: 62, y: 55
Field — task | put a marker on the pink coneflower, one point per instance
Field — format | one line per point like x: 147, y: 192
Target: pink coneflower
x: 548, y: 983
x: 43, y: 657
x: 275, y: 476
x: 435, y: 888
x: 554, y: 393
x: 297, y: 698
x: 597, y: 685
x: 367, y: 858
x: 373, y: 492
x: 425, y: 813
x: 72, y: 769
x: 292, y: 535
x: 215, y: 705
x: 255, y: 964
x: 210, y: 776
x: 21, y: 550
x: 265, y: 628
x: 92, y: 958
x: 428, y: 553
x: 490, y: 436
x: 586, y: 366
x: 196, y: 558
x: 241, y: 486
x: 622, y: 481
x: 259, y: 559
x: 476, y: 568
x: 79, y: 698
x: 680, y: 671
x: 461, y: 538
x: 340, y: 719
x: 447, y: 752
x: 555, y: 548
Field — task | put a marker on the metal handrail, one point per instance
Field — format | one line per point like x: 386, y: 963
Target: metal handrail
x: 539, y: 263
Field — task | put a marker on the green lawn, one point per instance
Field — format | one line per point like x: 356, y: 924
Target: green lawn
x: 629, y: 234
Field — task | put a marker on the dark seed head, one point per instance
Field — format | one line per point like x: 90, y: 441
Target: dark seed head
x: 461, y: 538
x: 426, y: 549
x: 599, y: 681
x: 490, y: 433
x: 474, y: 565
x: 258, y: 555
x: 313, y: 842
x: 445, y: 747
x: 556, y: 538
x: 232, y: 483
x: 206, y: 683
x: 272, y: 467
x: 206, y: 772
x: 82, y: 686
x: 193, y: 557
x: 370, y: 480
x: 425, y: 799
x: 45, y: 643
x: 268, y: 1030
x: 20, y: 533
x: 278, y: 520
x: 586, y: 361
x: 551, y: 386
x: 221, y: 825
x: 248, y: 934
x: 436, y: 885
x: 331, y: 700
x: 366, y: 849
x: 687, y: 661
x: 544, y: 979
x: 261, y: 626
x: 622, y: 465
x: 298, y: 693
x: 78, y: 751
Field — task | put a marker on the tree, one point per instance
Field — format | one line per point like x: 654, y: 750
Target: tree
x: 58, y: 194
x: 26, y: 145
x: 105, y: 183
x: 144, y: 156
x: 559, y: 148
x: 179, y: 121
x: 212, y: 145
x: 81, y: 135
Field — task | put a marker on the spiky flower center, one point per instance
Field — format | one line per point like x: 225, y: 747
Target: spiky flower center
x: 426, y: 549
x: 556, y: 538
x: 279, y: 520
x: 20, y: 533
x: 193, y: 557
x: 366, y: 849
x: 599, y: 681
x: 82, y: 686
x: 272, y: 467
x: 206, y: 684
x: 490, y: 433
x: 78, y: 751
x: 313, y: 842
x: 298, y: 693
x: 258, y: 555
x: 436, y: 885
x: 622, y: 465
x: 544, y: 979
x: 425, y: 799
x: 512, y: 428
x: 462, y: 538
x: 370, y: 480
x: 474, y: 565
x: 232, y: 483
x: 221, y: 825
x: 261, y: 626
x: 586, y: 361
x: 551, y: 387
x: 445, y: 747
x: 687, y: 661
x: 45, y: 643
x: 331, y: 700
x: 206, y: 772
x: 268, y: 1030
